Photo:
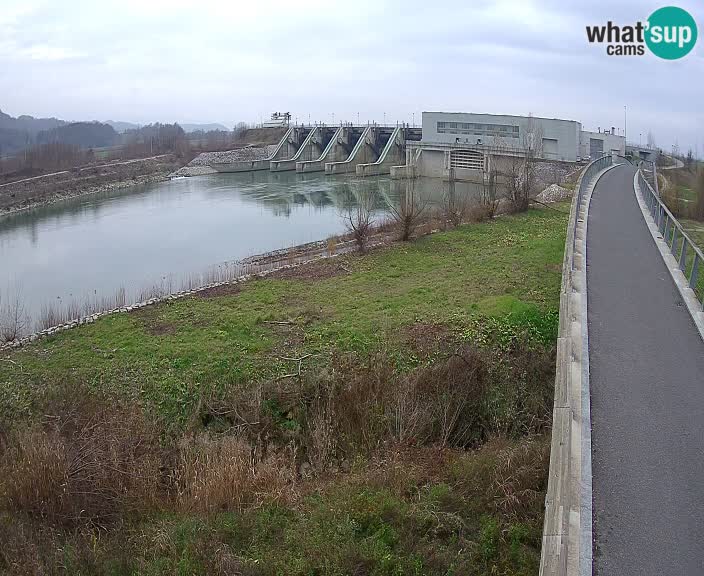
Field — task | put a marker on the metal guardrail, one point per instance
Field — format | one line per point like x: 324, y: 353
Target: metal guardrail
x: 589, y: 172
x: 685, y: 251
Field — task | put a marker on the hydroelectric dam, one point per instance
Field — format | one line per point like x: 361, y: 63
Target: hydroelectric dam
x: 367, y: 150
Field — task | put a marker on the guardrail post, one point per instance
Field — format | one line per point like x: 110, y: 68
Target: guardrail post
x: 695, y: 272
x: 683, y: 255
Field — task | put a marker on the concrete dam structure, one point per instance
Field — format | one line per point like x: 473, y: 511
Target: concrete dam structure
x: 362, y: 150
x: 292, y: 140
x: 337, y: 150
x: 375, y: 152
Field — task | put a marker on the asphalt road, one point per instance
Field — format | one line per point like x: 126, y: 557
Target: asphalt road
x: 646, y: 362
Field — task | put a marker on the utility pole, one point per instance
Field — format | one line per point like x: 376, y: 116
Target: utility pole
x: 625, y: 134
x: 414, y: 119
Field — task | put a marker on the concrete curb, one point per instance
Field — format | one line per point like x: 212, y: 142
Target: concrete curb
x: 567, y: 530
x: 688, y: 295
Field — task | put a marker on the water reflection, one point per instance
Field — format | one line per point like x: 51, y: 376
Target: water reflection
x: 91, y: 246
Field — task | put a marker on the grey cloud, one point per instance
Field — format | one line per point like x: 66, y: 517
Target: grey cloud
x: 230, y: 61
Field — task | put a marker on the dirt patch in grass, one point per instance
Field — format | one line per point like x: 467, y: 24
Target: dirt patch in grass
x: 224, y: 290
x: 154, y: 325
x: 425, y: 338
x: 318, y: 270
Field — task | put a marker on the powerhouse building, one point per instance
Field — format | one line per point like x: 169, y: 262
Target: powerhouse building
x: 468, y: 141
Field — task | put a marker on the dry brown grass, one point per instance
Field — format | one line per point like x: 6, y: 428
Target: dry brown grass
x: 507, y: 476
x: 224, y: 473
x: 87, y: 463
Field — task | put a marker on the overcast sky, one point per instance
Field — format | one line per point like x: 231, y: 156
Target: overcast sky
x: 178, y: 60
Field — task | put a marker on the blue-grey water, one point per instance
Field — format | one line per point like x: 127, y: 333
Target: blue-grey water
x: 91, y: 246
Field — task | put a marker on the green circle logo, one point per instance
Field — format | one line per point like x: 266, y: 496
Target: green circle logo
x: 670, y: 33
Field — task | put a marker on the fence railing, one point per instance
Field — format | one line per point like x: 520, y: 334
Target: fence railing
x: 588, y: 175
x: 685, y: 251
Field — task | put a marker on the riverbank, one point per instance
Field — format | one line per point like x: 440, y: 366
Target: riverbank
x: 386, y: 413
x: 43, y: 190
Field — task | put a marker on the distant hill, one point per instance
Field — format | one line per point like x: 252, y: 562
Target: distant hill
x: 18, y: 133
x: 204, y: 127
x: 121, y: 127
x: 81, y: 134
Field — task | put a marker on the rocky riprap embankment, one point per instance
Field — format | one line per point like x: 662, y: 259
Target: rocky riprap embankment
x: 90, y: 179
x: 201, y: 164
x: 554, y: 193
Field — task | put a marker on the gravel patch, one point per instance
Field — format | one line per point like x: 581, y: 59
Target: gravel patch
x: 200, y: 165
x: 554, y: 193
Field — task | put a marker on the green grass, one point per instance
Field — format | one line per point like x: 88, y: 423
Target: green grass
x: 167, y: 356
x: 393, y: 509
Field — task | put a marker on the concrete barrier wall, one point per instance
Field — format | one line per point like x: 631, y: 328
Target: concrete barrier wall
x: 567, y: 530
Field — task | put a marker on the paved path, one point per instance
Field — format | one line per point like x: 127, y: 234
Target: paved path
x: 646, y: 362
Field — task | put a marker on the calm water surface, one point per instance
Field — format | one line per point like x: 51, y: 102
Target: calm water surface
x: 91, y: 246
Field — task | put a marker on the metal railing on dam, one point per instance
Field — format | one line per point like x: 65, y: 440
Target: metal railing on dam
x: 567, y: 529
x: 688, y: 255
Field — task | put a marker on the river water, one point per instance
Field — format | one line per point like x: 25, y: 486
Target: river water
x: 88, y: 248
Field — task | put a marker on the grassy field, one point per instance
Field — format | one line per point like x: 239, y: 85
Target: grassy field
x: 378, y: 414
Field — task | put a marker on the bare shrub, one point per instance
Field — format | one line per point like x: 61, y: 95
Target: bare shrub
x: 87, y: 464
x: 489, y: 199
x: 520, y: 478
x: 359, y: 217
x: 508, y: 476
x: 698, y: 211
x: 14, y: 320
x: 348, y: 407
x: 409, y: 212
x: 441, y: 403
x: 455, y: 207
x: 222, y: 473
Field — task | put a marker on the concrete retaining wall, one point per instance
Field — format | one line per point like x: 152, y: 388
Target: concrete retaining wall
x: 567, y: 530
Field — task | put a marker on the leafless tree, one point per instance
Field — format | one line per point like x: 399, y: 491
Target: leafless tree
x: 511, y: 168
x: 489, y: 199
x: 359, y: 216
x: 13, y: 319
x: 409, y: 212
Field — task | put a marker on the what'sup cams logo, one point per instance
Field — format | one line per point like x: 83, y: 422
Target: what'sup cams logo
x: 669, y: 33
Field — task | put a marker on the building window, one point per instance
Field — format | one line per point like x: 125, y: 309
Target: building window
x: 482, y: 130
